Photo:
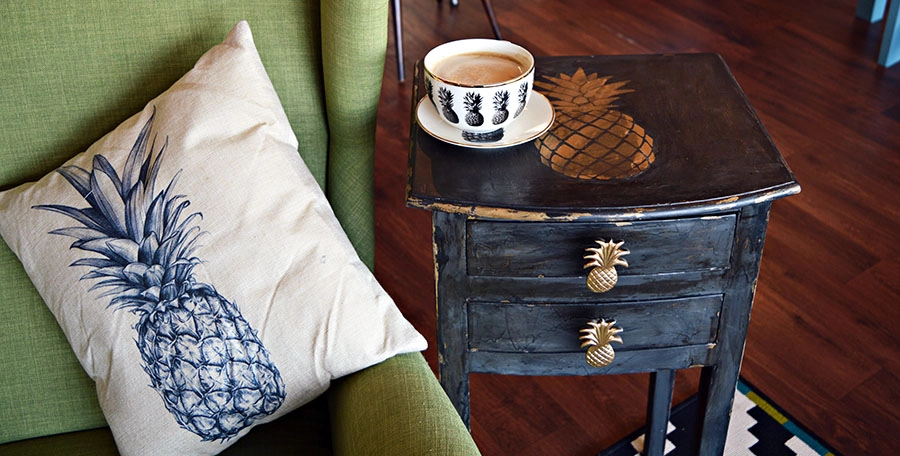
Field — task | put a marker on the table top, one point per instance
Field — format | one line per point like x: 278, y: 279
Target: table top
x: 634, y: 137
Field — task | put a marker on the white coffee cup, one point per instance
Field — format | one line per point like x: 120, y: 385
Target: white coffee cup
x: 479, y: 86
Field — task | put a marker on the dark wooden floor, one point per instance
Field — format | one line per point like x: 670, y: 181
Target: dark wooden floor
x: 824, y: 339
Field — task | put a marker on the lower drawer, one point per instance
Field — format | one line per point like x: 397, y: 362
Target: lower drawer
x: 554, y: 327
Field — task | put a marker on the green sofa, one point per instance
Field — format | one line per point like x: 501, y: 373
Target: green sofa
x: 72, y: 71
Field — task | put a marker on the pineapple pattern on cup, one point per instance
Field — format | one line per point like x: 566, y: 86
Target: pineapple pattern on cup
x: 209, y: 367
x: 429, y: 89
x: 522, y: 98
x: 446, y: 99
x: 590, y: 139
x: 472, y: 103
x: 501, y: 102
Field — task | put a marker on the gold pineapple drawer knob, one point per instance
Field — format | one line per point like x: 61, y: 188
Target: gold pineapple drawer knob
x: 604, y: 259
x: 597, y: 337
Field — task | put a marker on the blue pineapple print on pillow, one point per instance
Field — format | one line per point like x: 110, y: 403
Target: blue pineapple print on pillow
x: 209, y: 367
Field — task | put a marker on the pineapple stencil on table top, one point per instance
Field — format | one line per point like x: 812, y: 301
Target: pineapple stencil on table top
x: 203, y: 358
x: 590, y: 139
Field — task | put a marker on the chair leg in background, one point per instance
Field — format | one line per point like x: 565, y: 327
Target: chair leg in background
x: 489, y: 9
x: 870, y: 10
x: 890, y: 43
x: 491, y: 17
x: 398, y: 38
x: 873, y: 11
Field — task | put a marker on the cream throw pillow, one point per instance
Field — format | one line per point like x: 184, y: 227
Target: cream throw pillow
x: 196, y: 267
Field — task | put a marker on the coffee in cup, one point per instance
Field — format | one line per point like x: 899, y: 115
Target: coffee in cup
x: 479, y: 68
x: 479, y: 86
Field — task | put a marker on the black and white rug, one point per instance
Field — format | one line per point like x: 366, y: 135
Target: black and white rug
x: 757, y: 428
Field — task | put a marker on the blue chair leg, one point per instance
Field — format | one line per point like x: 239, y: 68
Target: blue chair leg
x: 890, y: 43
x: 870, y: 10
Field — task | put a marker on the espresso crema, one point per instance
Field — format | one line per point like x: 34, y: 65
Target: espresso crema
x: 478, y: 68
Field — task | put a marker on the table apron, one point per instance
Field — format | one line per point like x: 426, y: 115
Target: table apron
x: 629, y: 362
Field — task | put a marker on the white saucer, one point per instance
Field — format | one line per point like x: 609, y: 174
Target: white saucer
x: 534, y: 121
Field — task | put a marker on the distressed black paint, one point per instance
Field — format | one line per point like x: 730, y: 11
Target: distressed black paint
x: 510, y: 235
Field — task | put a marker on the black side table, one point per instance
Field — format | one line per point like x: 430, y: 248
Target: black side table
x: 657, y: 179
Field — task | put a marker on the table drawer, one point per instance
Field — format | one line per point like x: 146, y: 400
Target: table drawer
x: 557, y: 249
x: 549, y: 328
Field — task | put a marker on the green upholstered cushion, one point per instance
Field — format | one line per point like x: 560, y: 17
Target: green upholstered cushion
x: 354, y: 43
x: 43, y: 389
x: 394, y: 408
x: 305, y: 429
x: 70, y: 71
x: 402, y: 393
x: 94, y: 442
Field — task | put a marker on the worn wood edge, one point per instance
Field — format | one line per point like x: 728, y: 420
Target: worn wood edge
x: 613, y: 214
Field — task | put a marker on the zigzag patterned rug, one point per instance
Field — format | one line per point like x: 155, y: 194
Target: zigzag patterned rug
x: 757, y: 428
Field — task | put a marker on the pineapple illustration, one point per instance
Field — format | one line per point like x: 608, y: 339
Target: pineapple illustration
x: 501, y: 102
x: 209, y: 367
x: 522, y: 97
x: 429, y: 89
x: 446, y: 99
x: 598, y: 338
x: 604, y: 259
x: 472, y: 103
x: 590, y: 139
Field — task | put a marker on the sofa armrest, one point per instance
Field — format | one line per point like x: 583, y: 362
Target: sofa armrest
x: 93, y: 442
x: 396, y: 407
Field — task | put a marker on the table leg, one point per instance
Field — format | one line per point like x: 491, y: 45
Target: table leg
x: 452, y: 319
x: 717, y: 386
x: 456, y: 384
x: 662, y: 383
x: 718, y: 380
